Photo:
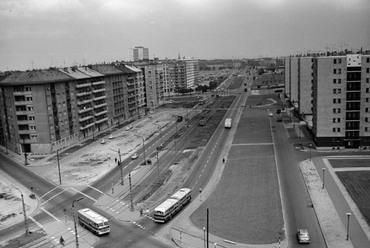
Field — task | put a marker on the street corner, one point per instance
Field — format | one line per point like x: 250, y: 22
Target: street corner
x: 129, y: 215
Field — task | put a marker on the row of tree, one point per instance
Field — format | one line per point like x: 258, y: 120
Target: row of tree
x: 200, y: 88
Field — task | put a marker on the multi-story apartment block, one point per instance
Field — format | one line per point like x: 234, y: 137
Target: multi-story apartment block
x: 184, y: 73
x: 135, y: 88
x: 336, y: 90
x: 155, y: 77
x: 140, y: 53
x: 45, y: 110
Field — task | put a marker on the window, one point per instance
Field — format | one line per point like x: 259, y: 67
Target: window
x: 367, y: 80
x: 366, y: 119
x: 339, y: 81
x: 366, y: 129
x: 334, y: 81
x: 367, y: 90
x: 367, y: 70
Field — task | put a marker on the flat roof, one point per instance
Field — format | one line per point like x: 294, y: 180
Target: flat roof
x: 166, y: 205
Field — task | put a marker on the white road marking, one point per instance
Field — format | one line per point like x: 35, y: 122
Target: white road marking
x: 37, y: 223
x: 84, y: 194
x: 91, y: 187
x: 50, y: 214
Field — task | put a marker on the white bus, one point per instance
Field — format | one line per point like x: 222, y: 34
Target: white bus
x: 93, y: 221
x: 169, y: 208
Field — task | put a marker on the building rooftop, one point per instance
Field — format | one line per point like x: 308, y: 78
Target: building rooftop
x: 106, y: 69
x: 35, y: 77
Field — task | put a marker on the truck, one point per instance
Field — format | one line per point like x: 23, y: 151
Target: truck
x: 228, y: 123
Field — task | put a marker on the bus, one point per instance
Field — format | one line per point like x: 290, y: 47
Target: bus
x: 93, y: 221
x: 170, y: 207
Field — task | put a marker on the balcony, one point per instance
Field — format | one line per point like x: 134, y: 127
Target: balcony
x: 98, y: 90
x: 100, y: 105
x: 101, y: 120
x: 79, y: 86
x: 98, y: 82
x: 101, y: 113
x: 84, y: 101
x: 18, y: 103
x: 84, y: 110
x: 85, y: 118
x: 87, y: 126
x: 100, y: 98
x: 84, y: 93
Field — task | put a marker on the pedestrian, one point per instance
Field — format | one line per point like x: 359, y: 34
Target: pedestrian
x: 223, y: 160
x: 61, y: 240
x: 115, y: 160
x: 141, y: 212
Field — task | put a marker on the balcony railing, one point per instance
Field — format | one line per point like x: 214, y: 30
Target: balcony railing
x: 85, y: 118
x: 78, y: 86
x: 100, y: 98
x: 101, y: 120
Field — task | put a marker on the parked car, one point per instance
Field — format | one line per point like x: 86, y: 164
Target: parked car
x: 303, y: 236
x: 103, y: 141
x: 111, y: 136
x: 128, y: 127
x: 134, y: 156
x: 271, y: 114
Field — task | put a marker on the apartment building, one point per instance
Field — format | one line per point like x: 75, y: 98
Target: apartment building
x: 45, y: 110
x: 184, y: 73
x: 155, y: 75
x: 336, y: 90
x: 140, y: 53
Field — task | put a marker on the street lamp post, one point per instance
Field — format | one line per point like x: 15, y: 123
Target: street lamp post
x: 24, y: 211
x: 323, y: 177
x: 160, y: 132
x: 120, y: 165
x: 74, y: 219
x: 131, y: 200
x: 310, y: 146
x: 204, y: 236
x: 60, y: 177
x: 158, y: 168
x: 348, y: 215
x: 143, y: 146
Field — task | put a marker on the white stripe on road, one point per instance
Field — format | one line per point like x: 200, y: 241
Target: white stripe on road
x: 50, y: 214
x: 37, y: 223
x: 84, y: 194
x: 91, y: 187
x: 48, y: 192
x: 54, y: 196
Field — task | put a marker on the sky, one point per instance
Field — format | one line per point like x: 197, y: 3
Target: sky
x: 38, y: 34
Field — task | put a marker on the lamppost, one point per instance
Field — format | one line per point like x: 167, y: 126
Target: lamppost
x: 323, y: 177
x: 160, y: 132
x: 24, y: 211
x: 348, y: 215
x: 143, y: 145
x: 131, y: 200
x: 157, y: 167
x: 310, y: 146
x: 60, y: 177
x: 120, y: 165
x: 204, y: 236
x: 74, y: 219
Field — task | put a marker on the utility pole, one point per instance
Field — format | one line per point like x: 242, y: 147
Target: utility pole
x: 60, y: 177
x: 24, y: 211
x: 131, y: 201
x: 120, y: 165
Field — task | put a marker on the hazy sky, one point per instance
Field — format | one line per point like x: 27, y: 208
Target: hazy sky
x: 44, y: 33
